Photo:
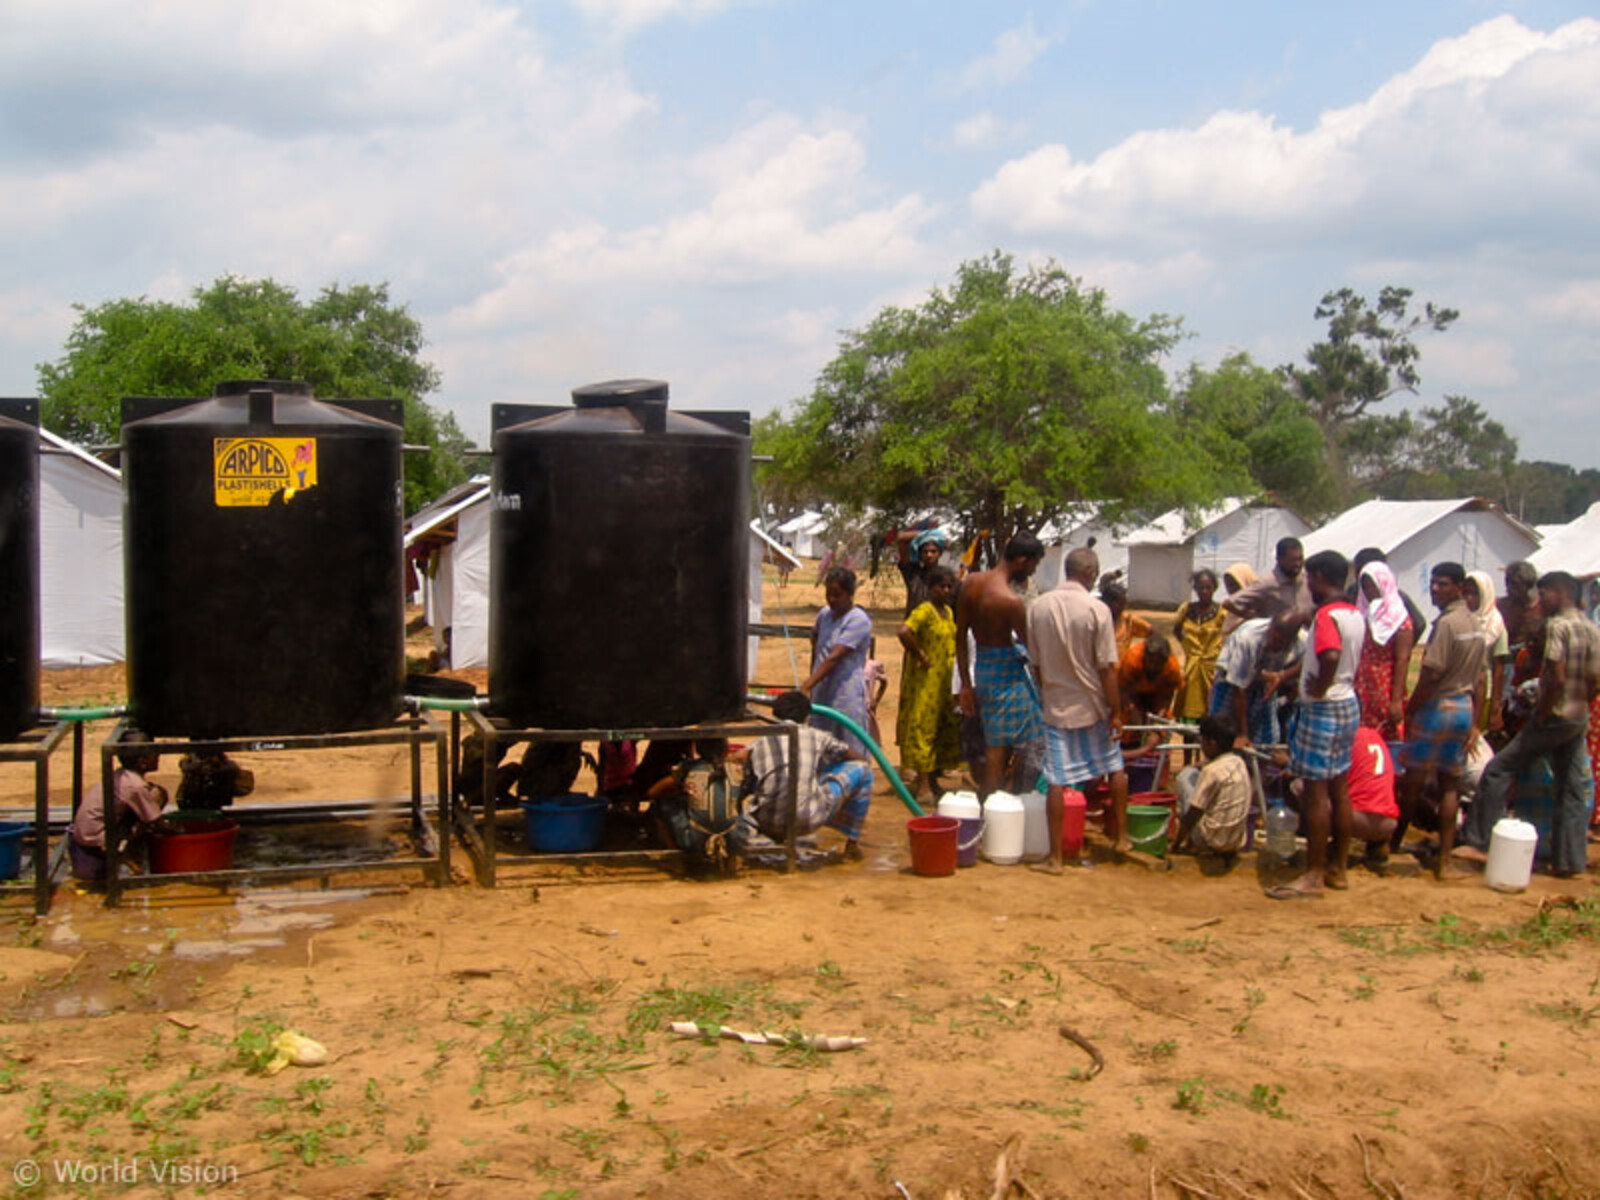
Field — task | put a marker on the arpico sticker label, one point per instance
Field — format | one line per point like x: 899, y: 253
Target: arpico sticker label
x: 249, y: 471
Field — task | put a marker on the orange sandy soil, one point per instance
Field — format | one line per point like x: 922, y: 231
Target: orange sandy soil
x: 1402, y: 1039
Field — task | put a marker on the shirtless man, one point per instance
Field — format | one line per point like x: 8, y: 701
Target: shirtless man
x: 997, y: 687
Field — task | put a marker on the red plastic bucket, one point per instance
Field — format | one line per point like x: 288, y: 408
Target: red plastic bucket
x: 190, y: 845
x: 934, y: 842
x: 1074, y: 814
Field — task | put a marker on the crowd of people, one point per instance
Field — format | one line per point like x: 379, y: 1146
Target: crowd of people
x: 1307, y: 667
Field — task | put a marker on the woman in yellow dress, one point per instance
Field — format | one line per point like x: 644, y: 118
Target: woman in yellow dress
x: 927, y: 728
x: 1198, y: 628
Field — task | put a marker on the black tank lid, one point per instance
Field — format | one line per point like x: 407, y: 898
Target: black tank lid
x: 259, y: 403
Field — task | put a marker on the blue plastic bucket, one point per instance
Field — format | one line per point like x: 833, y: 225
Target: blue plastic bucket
x: 569, y: 824
x: 11, y: 835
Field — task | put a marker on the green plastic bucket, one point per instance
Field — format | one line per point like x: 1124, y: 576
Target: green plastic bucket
x: 1147, y: 828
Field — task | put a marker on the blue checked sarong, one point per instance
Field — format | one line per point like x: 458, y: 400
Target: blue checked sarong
x: 850, y: 784
x: 1006, y: 698
x: 1324, y: 734
x: 1437, y: 736
x: 1074, y: 756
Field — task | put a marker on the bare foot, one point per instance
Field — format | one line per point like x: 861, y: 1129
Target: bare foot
x: 1469, y: 854
x: 1336, y: 880
x: 1049, y: 867
x: 1447, y: 873
x: 852, y: 852
x: 1123, y: 845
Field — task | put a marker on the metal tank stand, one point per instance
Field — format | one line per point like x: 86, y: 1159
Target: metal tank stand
x: 36, y: 746
x: 482, y: 846
x: 432, y: 851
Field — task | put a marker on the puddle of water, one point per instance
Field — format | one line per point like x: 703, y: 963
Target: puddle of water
x: 147, y: 956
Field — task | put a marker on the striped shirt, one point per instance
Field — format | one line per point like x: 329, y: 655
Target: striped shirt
x: 767, y: 780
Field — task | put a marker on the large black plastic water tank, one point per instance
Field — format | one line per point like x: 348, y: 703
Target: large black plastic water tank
x: 263, y: 564
x: 620, y: 548
x: 19, y: 569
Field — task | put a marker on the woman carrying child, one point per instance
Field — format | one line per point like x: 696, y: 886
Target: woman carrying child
x: 927, y: 729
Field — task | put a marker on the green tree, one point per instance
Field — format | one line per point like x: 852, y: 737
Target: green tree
x: 1369, y: 355
x: 347, y: 342
x: 1006, y: 399
x: 1245, y: 414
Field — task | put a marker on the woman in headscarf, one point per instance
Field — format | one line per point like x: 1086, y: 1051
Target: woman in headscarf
x: 1235, y: 579
x: 1198, y: 628
x: 920, y: 552
x: 1386, y: 654
x: 1479, y: 595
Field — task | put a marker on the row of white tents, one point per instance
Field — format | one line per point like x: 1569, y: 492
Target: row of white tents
x: 1158, y: 559
x: 81, y: 551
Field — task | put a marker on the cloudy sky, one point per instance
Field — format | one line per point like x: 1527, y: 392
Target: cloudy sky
x: 707, y: 191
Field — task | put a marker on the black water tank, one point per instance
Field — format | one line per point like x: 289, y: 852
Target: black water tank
x: 19, y: 572
x: 619, y: 549
x: 263, y: 564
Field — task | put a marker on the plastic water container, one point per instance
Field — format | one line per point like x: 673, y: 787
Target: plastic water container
x: 964, y: 807
x: 1004, y: 828
x: 1035, y: 827
x: 1074, y: 811
x: 1511, y: 850
x: 1281, y: 825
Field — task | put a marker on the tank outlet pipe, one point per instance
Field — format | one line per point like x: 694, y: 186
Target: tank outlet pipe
x: 833, y: 714
x: 446, y: 703
x: 102, y: 712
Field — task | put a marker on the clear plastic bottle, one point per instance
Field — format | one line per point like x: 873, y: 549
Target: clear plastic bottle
x: 1281, y: 824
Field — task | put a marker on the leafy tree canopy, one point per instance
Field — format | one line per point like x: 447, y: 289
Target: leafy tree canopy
x: 1007, y: 398
x: 347, y: 342
x: 1246, y: 415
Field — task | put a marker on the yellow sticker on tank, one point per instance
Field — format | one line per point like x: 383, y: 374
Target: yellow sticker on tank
x: 249, y: 471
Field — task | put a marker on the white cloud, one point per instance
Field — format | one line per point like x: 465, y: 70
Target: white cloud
x: 1578, y: 301
x: 626, y: 16
x: 784, y: 200
x: 1501, y: 120
x: 1013, y: 53
x: 981, y: 130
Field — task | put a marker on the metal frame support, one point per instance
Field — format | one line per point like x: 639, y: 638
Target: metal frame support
x: 37, y: 747
x: 482, y: 848
x: 414, y: 732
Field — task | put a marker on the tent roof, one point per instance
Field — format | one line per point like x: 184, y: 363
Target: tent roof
x: 1573, y: 547
x: 62, y: 446
x: 1173, y: 528
x: 807, y: 522
x: 1388, y: 524
x: 446, y: 508
x: 775, y: 550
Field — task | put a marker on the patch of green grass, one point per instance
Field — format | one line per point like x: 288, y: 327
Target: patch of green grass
x: 1254, y: 998
x: 716, y: 1004
x: 1138, y: 1143
x: 253, y: 1045
x: 1569, y: 1012
x: 1365, y: 990
x: 1266, y: 1099
x: 1191, y: 1096
x: 1552, y: 928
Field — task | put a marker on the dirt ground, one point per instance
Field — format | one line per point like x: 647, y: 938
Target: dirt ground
x: 1404, y: 1039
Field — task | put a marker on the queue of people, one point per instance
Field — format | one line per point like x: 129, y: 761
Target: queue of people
x: 1307, y: 665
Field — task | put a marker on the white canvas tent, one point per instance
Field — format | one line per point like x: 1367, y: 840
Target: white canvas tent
x: 80, y: 556
x: 1416, y: 534
x: 1164, y: 555
x: 803, y: 534
x: 1069, y: 534
x: 1573, y: 547
x: 455, y: 578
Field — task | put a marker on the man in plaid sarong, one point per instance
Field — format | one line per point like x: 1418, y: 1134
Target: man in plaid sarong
x: 996, y: 687
x: 1325, y: 727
